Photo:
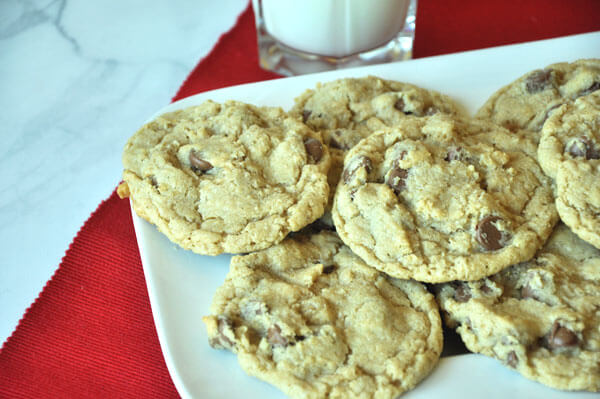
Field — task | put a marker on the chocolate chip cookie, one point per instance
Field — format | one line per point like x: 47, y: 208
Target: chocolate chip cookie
x: 578, y: 198
x: 347, y: 110
x: 228, y: 177
x: 443, y: 198
x: 571, y: 132
x: 309, y: 317
x: 569, y: 151
x: 539, y: 317
x: 523, y: 105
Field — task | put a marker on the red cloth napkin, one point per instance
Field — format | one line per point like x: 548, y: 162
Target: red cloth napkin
x: 90, y: 332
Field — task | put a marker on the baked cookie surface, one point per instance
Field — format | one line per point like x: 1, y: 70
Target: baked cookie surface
x: 569, y: 151
x: 572, y: 132
x: 226, y: 177
x: 524, y: 105
x: 578, y: 198
x: 309, y: 317
x: 350, y: 109
x: 539, y: 317
x: 443, y: 198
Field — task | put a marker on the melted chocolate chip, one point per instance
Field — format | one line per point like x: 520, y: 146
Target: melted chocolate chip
x: 397, y: 179
x: 582, y: 147
x: 305, y: 115
x: 314, y: 149
x: 511, y: 125
x: 488, y: 235
x: 485, y: 289
x: 560, y: 337
x: 274, y: 336
x: 549, y: 111
x: 198, y: 164
x: 361, y: 162
x: 462, y: 293
x: 528, y: 292
x: 593, y: 87
x: 334, y: 143
x: 455, y: 153
x: 221, y: 340
x: 399, y: 105
x: 328, y: 269
x: 538, y: 81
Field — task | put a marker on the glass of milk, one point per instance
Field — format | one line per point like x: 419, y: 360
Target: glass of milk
x: 304, y: 36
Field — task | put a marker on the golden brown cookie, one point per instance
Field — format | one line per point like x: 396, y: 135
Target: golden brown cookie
x: 226, y: 177
x: 440, y: 198
x: 350, y: 109
x: 539, y: 317
x: 523, y: 105
x: 309, y: 317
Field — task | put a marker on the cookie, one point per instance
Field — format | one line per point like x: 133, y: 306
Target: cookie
x: 348, y: 110
x: 443, y: 198
x: 571, y: 132
x: 309, y: 317
x: 226, y: 177
x: 569, y: 151
x: 523, y: 105
x: 540, y: 317
x: 578, y: 198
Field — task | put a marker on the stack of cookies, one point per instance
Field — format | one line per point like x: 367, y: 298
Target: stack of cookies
x: 371, y: 208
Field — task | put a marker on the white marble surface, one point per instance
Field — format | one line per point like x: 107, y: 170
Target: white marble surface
x: 77, y: 77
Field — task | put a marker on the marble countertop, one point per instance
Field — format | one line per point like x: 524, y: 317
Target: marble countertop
x: 77, y: 79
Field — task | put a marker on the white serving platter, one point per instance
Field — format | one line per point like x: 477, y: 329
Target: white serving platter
x: 181, y: 284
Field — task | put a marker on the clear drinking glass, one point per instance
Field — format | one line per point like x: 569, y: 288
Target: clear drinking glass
x: 304, y: 36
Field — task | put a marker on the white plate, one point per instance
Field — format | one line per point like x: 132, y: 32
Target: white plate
x: 181, y: 284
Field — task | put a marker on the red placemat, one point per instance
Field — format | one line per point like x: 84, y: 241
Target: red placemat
x: 90, y: 333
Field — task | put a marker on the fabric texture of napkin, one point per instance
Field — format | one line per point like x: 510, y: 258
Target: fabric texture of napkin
x: 90, y: 333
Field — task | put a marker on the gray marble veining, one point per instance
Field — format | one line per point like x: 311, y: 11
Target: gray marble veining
x: 77, y: 78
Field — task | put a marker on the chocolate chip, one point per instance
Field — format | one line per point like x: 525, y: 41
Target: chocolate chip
x: 299, y: 338
x: 274, y: 336
x: 221, y: 340
x: 354, y: 165
x: 399, y: 105
x: 538, y: 81
x: 198, y: 164
x: 462, y: 293
x: 334, y: 143
x: 512, y: 360
x: 328, y: 269
x: 511, y: 125
x: 455, y: 153
x: 528, y: 292
x: 561, y: 337
x: 305, y: 115
x: 582, y: 147
x: 594, y: 86
x: 485, y: 289
x: 549, y: 111
x: 397, y: 179
x: 488, y: 235
x: 314, y: 149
